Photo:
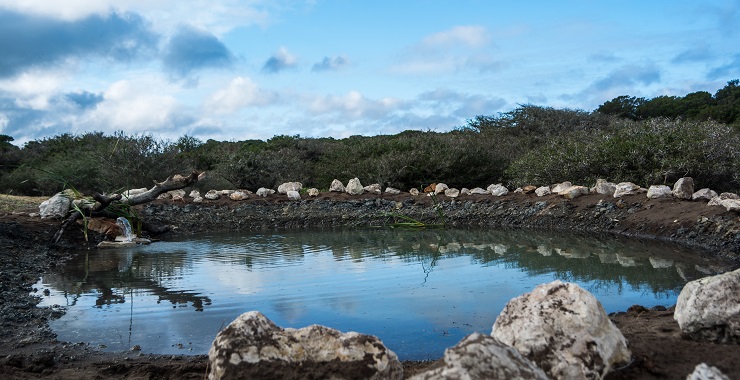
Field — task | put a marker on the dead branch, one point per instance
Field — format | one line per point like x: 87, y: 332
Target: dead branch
x: 102, y: 201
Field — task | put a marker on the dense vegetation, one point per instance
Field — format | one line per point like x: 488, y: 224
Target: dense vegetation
x: 653, y: 141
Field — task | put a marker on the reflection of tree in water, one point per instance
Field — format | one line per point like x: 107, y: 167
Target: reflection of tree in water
x: 111, y: 276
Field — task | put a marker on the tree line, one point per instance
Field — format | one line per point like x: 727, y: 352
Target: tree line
x: 632, y: 139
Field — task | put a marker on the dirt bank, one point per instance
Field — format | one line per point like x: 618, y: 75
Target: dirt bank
x: 28, y: 349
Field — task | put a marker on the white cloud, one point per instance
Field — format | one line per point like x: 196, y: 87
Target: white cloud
x: 241, y: 92
x: 472, y: 36
x: 33, y: 90
x: 352, y: 105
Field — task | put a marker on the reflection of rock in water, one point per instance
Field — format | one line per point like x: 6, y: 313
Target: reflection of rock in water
x: 626, y: 261
x: 608, y: 258
x: 659, y: 263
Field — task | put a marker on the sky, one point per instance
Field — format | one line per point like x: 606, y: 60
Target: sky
x: 232, y: 70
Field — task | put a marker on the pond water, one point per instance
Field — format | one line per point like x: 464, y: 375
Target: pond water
x: 418, y: 291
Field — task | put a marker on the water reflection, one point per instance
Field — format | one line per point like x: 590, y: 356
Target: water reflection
x: 419, y: 291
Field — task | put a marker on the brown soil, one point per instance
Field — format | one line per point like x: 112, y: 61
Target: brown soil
x: 29, y: 349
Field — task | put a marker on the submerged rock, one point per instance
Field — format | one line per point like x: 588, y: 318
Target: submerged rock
x: 564, y: 330
x: 252, y: 346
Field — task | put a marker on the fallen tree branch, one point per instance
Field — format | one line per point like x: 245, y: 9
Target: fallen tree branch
x: 102, y: 201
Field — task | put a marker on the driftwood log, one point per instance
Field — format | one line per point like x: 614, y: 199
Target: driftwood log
x: 102, y: 201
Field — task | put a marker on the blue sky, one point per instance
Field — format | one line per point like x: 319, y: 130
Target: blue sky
x: 233, y: 70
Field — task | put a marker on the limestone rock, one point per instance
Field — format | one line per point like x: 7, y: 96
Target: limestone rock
x: 313, y: 192
x: 518, y: 190
x: 684, y: 188
x: 238, y: 196
x: 704, y: 371
x: 564, y: 330
x: 213, y: 194
x: 354, y: 187
x: 626, y: 188
x: 289, y: 186
x: 414, y: 191
x: 198, y: 199
x: 480, y: 356
x: 264, y: 192
x: 574, y: 192
x: 465, y: 191
x: 557, y: 188
x: 497, y: 190
x: 659, y: 191
x: 440, y: 188
x: 392, y: 191
x: 731, y: 204
x: 604, y: 187
x: 252, y: 346
x: 430, y: 188
x: 705, y: 194
x: 336, y: 186
x: 529, y: 189
x: 724, y: 196
x: 373, y: 189
x: 452, y: 193
x: 194, y: 194
x: 56, y: 206
x: 478, y: 191
x: 709, y: 308
x: 294, y: 195
x: 542, y: 191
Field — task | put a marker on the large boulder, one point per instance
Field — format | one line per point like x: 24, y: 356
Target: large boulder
x: 558, y: 187
x: 604, y: 187
x: 373, y: 189
x: 529, y: 189
x: 497, y: 190
x: 709, y: 308
x: 452, y: 193
x: 704, y: 371
x: 626, y: 188
x: 294, y: 195
x: 542, y: 191
x: 478, y: 191
x: 705, y: 194
x: 56, y: 206
x: 336, y: 186
x: 354, y: 187
x: 574, y: 192
x: 684, y: 188
x: 480, y: 356
x: 564, y: 330
x: 253, y: 347
x: 289, y: 186
x: 659, y: 191
x: 440, y: 188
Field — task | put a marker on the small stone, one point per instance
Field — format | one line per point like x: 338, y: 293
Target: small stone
x: 452, y: 193
x: 336, y: 186
x: 414, y: 191
x: 392, y: 191
x: 313, y: 192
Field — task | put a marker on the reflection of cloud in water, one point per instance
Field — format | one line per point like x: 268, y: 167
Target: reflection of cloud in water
x: 235, y: 278
x: 290, y: 309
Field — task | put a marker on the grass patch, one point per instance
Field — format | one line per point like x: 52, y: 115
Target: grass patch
x: 15, y: 203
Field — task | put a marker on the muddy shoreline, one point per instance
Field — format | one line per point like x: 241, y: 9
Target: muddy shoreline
x: 29, y: 349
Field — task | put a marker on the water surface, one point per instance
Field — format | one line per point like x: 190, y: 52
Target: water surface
x: 419, y: 291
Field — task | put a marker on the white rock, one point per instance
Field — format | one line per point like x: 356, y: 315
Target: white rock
x: 684, y: 188
x: 294, y: 195
x: 336, y: 186
x: 724, y: 196
x: 414, y: 191
x: 213, y: 194
x: 392, y: 191
x: 518, y: 190
x: 542, y: 191
x: 289, y: 186
x: 252, y: 346
x: 56, y: 206
x: 604, y: 187
x: 313, y: 192
x: 464, y: 191
x: 479, y: 356
x: 497, y: 190
x: 226, y: 192
x: 440, y: 188
x: 557, y: 188
x: 264, y: 192
x: 238, y: 196
x: 564, y: 330
x: 354, y: 187
x: 574, y: 192
x: 704, y: 194
x: 452, y: 193
x: 626, y: 188
x: 373, y: 189
x: 194, y: 194
x: 198, y: 199
x: 731, y: 204
x: 704, y: 371
x: 709, y: 308
x: 478, y: 191
x: 659, y: 191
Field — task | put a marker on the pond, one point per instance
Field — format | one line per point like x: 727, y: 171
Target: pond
x: 418, y: 291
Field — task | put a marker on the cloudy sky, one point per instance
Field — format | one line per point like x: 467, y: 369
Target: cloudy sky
x: 253, y: 69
